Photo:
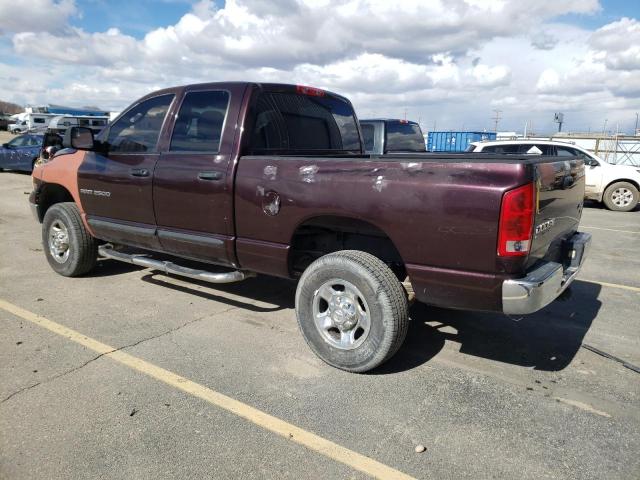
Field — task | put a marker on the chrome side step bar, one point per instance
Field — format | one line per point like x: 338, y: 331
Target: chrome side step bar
x: 171, y: 268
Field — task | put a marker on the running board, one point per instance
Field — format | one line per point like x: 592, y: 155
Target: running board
x: 171, y: 268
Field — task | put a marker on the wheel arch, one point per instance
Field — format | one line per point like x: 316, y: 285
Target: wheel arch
x: 322, y: 234
x: 48, y: 195
x: 635, y: 183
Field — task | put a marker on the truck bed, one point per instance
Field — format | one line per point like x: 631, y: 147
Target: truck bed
x: 441, y: 211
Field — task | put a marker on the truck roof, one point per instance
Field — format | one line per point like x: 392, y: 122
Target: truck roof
x: 265, y: 86
x: 401, y: 120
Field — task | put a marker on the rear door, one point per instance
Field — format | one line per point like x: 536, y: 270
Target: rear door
x: 193, y: 182
x: 116, y: 187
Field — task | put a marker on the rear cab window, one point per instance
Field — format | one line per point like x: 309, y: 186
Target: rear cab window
x: 404, y: 137
x: 290, y: 122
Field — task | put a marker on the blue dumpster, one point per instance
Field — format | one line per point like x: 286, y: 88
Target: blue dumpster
x: 455, y: 141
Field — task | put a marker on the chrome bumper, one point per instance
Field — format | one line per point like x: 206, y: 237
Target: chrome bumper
x: 544, y: 284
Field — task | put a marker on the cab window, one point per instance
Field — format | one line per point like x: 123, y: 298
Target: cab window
x: 138, y: 129
x: 296, y: 123
x: 200, y: 121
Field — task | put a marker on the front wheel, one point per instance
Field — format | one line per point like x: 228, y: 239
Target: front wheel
x: 352, y: 310
x: 621, y: 197
x: 68, y: 246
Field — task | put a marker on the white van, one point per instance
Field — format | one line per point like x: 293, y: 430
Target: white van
x: 30, y: 122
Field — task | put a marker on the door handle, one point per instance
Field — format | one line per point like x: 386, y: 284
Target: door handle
x: 214, y: 175
x: 139, y: 172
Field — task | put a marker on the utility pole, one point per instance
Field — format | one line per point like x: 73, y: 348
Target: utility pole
x: 604, y: 126
x: 496, y: 118
x: 635, y: 132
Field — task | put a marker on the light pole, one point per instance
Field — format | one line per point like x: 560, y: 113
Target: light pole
x: 635, y: 132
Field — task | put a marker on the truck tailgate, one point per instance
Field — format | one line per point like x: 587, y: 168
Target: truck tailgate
x: 560, y: 196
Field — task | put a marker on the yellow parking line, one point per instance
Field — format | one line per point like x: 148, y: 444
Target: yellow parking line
x: 612, y: 285
x: 287, y: 430
x: 609, y: 229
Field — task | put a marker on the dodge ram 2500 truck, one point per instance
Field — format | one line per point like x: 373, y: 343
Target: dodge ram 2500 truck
x: 272, y: 179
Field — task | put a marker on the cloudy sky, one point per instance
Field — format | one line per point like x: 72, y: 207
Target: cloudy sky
x: 447, y: 63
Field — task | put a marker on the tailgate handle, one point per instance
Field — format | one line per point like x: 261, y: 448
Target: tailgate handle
x: 139, y: 172
x: 214, y: 175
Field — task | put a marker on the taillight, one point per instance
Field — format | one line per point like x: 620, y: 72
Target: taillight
x: 311, y: 91
x: 516, y: 221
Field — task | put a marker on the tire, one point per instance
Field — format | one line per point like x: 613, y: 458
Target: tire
x: 63, y: 222
x: 621, y: 197
x: 362, y: 310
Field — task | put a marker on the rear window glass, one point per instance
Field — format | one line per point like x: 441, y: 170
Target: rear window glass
x: 502, y: 149
x: 286, y: 121
x: 368, y: 132
x: 200, y: 120
x: 404, y: 137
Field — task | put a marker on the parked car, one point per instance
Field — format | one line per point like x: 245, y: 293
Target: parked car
x: 387, y: 135
x: 20, y: 153
x: 4, y: 122
x: 272, y: 179
x: 617, y: 186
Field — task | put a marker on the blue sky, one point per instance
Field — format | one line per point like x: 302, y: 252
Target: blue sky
x: 137, y: 17
x: 133, y: 17
x: 448, y: 62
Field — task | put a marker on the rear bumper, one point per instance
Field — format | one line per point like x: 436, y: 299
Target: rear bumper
x: 545, y: 283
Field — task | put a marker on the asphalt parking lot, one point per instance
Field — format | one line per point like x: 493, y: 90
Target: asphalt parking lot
x: 127, y: 373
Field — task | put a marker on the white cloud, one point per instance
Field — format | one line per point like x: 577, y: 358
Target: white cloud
x: 452, y: 61
x: 35, y: 15
x: 618, y: 44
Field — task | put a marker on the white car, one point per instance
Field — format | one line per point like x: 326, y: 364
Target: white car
x: 617, y: 186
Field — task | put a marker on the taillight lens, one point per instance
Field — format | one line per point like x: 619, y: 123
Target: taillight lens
x: 516, y: 221
x: 311, y: 91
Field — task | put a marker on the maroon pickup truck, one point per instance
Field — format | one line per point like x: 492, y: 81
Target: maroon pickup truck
x: 272, y: 179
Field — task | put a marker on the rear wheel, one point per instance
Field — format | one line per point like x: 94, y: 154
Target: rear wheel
x: 621, y: 197
x: 352, y: 310
x: 68, y: 246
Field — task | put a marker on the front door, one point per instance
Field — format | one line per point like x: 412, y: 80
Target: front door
x: 192, y: 189
x: 116, y: 186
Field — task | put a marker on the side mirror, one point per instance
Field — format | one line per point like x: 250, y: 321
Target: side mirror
x: 6, y: 145
x: 80, y: 138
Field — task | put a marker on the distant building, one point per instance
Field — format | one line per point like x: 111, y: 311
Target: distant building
x: 70, y: 111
